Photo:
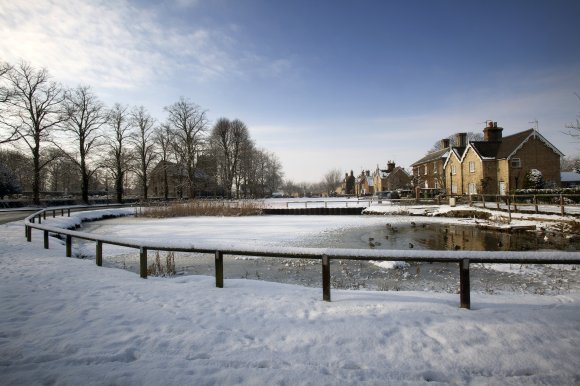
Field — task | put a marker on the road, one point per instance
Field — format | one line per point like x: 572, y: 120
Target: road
x: 14, y: 215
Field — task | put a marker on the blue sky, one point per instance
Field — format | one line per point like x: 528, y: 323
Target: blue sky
x: 323, y: 84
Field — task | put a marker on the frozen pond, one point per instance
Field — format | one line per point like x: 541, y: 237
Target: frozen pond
x: 378, y: 232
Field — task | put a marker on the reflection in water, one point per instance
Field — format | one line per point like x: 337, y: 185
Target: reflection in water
x: 442, y: 277
x: 431, y: 236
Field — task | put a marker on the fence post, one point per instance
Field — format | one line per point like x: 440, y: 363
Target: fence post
x: 62, y: 212
x: 497, y: 198
x: 536, y: 204
x: 53, y: 213
x: 28, y: 233
x: 562, y: 211
x: 143, y: 262
x: 68, y: 212
x: 483, y: 200
x: 45, y: 239
x: 219, y: 269
x: 40, y: 219
x: 99, y: 254
x: 325, y: 278
x: 509, y: 205
x: 470, y: 201
x: 464, y: 295
x: 68, y: 245
x: 515, y: 203
x: 44, y: 214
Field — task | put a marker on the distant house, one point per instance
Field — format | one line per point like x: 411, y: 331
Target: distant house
x: 570, y: 179
x: 365, y: 184
x: 391, y: 178
x: 169, y: 179
x: 498, y: 165
x: 347, y: 187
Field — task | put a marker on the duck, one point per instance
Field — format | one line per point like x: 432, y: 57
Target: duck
x: 411, y: 245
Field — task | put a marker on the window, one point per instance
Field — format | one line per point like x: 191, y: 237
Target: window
x: 426, y: 184
x: 434, y: 167
x: 454, y: 188
x: 453, y: 170
x: 471, y: 188
x: 425, y: 171
x: 471, y: 166
x: 516, y: 163
x: 436, y: 184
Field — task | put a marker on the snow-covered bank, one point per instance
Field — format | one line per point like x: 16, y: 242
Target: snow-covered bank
x: 66, y: 321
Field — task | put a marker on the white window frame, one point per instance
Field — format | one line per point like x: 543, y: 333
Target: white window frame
x: 435, y: 167
x: 453, y: 170
x: 454, y: 188
x: 436, y: 184
x: 426, y: 184
x: 425, y: 171
x: 471, y: 166
x: 516, y: 163
x: 471, y: 188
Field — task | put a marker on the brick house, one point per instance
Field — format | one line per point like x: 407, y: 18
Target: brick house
x: 428, y: 172
x: 347, y: 187
x: 364, y: 184
x: 498, y: 165
x: 391, y: 178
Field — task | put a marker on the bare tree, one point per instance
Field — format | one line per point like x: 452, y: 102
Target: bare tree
x: 118, y: 158
x: 188, y: 123
x: 144, y: 145
x: 227, y: 139
x: 574, y: 127
x: 164, y: 142
x: 332, y: 180
x: 34, y: 110
x: 471, y: 137
x: 85, y: 117
x: 7, y: 133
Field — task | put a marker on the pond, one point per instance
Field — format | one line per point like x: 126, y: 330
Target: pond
x: 367, y: 232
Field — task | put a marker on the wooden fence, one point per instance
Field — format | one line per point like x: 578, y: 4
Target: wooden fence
x: 325, y: 255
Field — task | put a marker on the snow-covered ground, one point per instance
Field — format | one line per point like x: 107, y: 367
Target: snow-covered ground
x: 67, y: 321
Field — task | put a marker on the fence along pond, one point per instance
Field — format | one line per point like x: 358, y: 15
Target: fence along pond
x: 325, y: 255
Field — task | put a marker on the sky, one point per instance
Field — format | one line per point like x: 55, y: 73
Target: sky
x: 322, y: 84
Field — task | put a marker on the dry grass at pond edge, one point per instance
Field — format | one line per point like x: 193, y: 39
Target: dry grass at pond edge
x: 200, y: 208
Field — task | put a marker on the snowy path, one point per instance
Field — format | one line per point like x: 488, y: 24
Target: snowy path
x: 66, y: 321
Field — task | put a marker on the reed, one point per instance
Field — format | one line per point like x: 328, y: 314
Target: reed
x: 201, y: 208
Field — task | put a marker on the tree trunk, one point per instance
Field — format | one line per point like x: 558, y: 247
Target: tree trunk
x: 119, y: 185
x: 36, y: 179
x: 84, y: 182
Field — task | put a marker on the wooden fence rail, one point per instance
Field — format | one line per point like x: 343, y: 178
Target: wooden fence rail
x: 325, y: 255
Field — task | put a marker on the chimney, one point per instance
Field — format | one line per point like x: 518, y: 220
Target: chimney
x: 444, y: 143
x: 390, y: 166
x: 368, y: 173
x: 492, y: 133
x: 461, y: 140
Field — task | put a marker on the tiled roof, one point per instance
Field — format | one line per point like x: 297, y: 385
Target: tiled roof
x: 433, y: 156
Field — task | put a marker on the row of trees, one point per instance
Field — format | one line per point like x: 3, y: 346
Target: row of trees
x: 60, y: 126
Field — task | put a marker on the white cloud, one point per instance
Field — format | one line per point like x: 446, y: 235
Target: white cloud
x: 115, y: 44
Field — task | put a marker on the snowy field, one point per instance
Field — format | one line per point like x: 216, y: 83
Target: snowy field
x: 65, y: 321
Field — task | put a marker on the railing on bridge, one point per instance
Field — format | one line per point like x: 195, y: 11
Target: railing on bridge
x: 325, y: 255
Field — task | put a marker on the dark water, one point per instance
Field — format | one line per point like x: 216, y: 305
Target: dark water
x: 440, y: 277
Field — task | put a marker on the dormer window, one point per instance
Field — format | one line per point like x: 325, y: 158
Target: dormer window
x: 516, y: 163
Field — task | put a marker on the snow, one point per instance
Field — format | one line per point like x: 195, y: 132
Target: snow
x: 67, y: 321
